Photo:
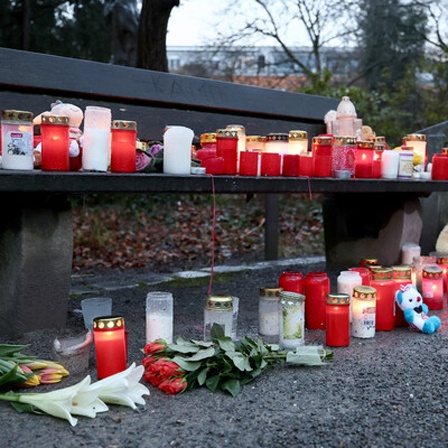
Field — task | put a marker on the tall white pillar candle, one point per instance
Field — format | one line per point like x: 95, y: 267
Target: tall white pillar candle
x: 389, y: 164
x: 177, y: 142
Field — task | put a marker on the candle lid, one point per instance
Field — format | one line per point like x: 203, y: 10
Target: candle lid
x: 219, y: 302
x: 277, y: 137
x: 442, y: 259
x: 270, y: 292
x: 292, y: 296
x: 124, y: 125
x: 105, y: 323
x: 226, y: 133
x: 208, y: 137
x: 236, y: 127
x: 445, y: 151
x: 322, y: 140
x: 381, y: 274
x: 415, y: 137
x: 338, y: 299
x: 365, y: 144
x: 61, y: 120
x: 364, y: 292
x: 432, y: 272
x: 345, y: 140
x: 380, y: 139
x: 17, y: 115
x: 255, y: 138
x: 369, y: 261
x: 401, y: 272
x: 298, y: 135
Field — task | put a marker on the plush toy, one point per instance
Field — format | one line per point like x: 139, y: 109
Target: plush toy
x: 75, y: 117
x: 415, y: 311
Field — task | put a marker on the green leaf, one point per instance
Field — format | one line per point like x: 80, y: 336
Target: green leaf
x: 24, y: 407
x: 187, y: 365
x: 217, y: 331
x: 240, y: 361
x: 203, y: 344
x: 183, y: 348
x: 227, y: 344
x: 232, y: 386
x: 202, y: 377
x: 203, y: 354
x: 212, y: 382
x: 10, y: 350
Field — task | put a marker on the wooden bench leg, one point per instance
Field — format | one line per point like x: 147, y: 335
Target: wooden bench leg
x: 369, y: 225
x: 36, y: 251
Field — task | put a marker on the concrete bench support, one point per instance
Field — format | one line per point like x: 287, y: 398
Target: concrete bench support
x: 36, y: 250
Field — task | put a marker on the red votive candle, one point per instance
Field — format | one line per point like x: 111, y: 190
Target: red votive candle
x: 291, y: 281
x: 270, y: 164
x: 123, y: 146
x: 337, y: 316
x: 249, y: 163
x: 365, y: 274
x: 385, y: 298
x: 322, y: 148
x: 442, y: 262
x: 110, y: 345
x: 402, y: 275
x: 439, y: 166
x: 204, y: 154
x: 291, y: 165
x: 364, y: 159
x: 306, y: 165
x: 316, y: 286
x: 227, y: 148
x: 55, y: 143
x: 214, y: 165
x: 432, y: 287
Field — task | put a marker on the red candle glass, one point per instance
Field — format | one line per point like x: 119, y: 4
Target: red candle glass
x: 365, y: 273
x: 306, y: 165
x: 249, y: 163
x: 227, y: 148
x: 55, y: 143
x: 322, y: 148
x: 270, y: 164
x: 316, y: 287
x: 402, y: 275
x: 213, y: 165
x: 337, y: 318
x: 376, y: 163
x: 364, y: 159
x: 442, y: 262
x: 432, y: 287
x: 440, y: 166
x: 110, y: 345
x: 385, y: 298
x: 291, y: 281
x: 123, y: 146
x: 291, y: 165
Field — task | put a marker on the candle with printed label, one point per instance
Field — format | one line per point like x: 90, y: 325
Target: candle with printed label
x: 364, y: 311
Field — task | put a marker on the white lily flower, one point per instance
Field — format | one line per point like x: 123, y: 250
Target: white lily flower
x: 123, y: 388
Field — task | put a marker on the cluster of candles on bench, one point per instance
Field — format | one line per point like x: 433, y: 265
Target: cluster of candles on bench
x: 363, y: 304
x: 229, y: 151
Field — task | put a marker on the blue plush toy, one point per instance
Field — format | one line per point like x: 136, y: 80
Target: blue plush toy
x: 415, y: 311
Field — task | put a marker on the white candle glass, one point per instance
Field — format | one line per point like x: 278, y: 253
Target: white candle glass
x: 364, y: 312
x: 410, y: 252
x: 389, y: 164
x: 159, y: 316
x: 346, y: 282
x: 177, y: 142
x: 96, y: 139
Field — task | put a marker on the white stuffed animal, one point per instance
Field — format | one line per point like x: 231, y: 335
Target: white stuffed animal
x: 415, y: 311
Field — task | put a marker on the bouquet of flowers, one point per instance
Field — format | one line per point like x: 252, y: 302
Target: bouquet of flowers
x: 222, y: 364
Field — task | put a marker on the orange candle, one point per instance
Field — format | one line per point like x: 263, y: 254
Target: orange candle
x: 123, y: 146
x: 110, y: 345
x: 55, y: 143
x: 337, y: 312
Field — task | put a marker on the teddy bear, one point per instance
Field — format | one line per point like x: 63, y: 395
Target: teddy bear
x: 75, y: 116
x: 415, y: 311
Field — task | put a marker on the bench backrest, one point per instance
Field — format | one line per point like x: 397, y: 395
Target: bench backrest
x: 32, y: 81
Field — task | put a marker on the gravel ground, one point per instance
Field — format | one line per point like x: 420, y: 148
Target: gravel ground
x: 383, y: 392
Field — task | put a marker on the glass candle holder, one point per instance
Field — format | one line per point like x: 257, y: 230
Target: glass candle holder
x: 110, y: 345
x: 277, y: 142
x: 322, y: 148
x: 291, y: 281
x: 439, y: 169
x: 268, y: 317
x: 17, y: 140
x: 159, y: 316
x: 365, y: 274
x: 218, y: 310
x: 213, y: 165
x: 123, y: 146
x: 364, y: 159
x: 96, y: 139
x: 255, y: 142
x: 377, y: 160
x: 291, y: 320
x: 401, y: 275
x: 241, y: 134
x: 337, y: 320
x: 316, y: 287
x: 270, y: 164
x: 208, y: 140
x: 432, y: 287
x: 344, y: 151
x: 405, y: 163
x: 227, y: 148
x: 55, y: 143
x: 249, y: 163
x: 297, y: 142
x: 177, y: 142
x: 385, y: 287
x: 367, y: 262
x: 442, y: 263
x: 389, y: 164
x: 418, y: 143
x: 364, y: 311
x: 306, y: 165
x: 346, y: 282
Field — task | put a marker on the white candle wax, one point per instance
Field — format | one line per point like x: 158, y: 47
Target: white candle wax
x: 159, y: 326
x: 389, y: 164
x: 96, y: 149
x: 410, y: 252
x: 346, y: 281
x: 177, y: 142
x: 363, y: 321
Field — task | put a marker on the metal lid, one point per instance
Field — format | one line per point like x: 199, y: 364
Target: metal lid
x: 236, y: 127
x: 124, y: 125
x: 365, y: 144
x: 277, y: 137
x: 442, y: 259
x: 369, y: 262
x: 271, y: 292
x: 380, y: 139
x: 415, y: 137
x: 338, y: 299
x: 322, y: 140
x: 444, y: 151
x: 60, y: 120
x: 432, y: 272
x: 255, y: 138
x: 402, y: 272
x: 364, y: 292
x: 106, y: 323
x: 226, y: 133
x: 17, y: 115
x: 219, y: 302
x: 292, y: 296
x: 208, y: 137
x: 345, y: 141
x: 298, y: 135
x: 382, y: 274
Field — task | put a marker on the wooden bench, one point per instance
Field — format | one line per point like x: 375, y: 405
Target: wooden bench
x: 36, y: 239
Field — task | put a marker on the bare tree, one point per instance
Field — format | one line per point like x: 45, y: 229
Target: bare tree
x: 153, y: 28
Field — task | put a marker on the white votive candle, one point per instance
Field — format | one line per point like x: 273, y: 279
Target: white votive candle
x: 389, y: 164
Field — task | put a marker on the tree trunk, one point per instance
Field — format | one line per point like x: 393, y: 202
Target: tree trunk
x: 152, y: 34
